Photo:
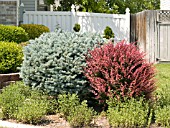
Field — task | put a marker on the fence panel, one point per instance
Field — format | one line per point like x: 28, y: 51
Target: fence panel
x: 49, y: 19
x: 89, y: 22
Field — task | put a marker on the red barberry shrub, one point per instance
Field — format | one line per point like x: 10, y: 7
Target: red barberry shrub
x: 119, y: 71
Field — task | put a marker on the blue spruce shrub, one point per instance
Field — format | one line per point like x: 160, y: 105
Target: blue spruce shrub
x: 54, y: 62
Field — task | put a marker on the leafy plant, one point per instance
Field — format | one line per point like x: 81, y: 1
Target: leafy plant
x: 48, y: 2
x: 34, y: 30
x: 19, y: 102
x: 66, y: 103
x: 119, y: 71
x: 12, y: 97
x: 13, y: 34
x: 81, y: 115
x: 31, y: 111
x: 78, y: 114
x: 76, y: 27
x: 129, y: 113
x: 54, y: 62
x: 11, y: 57
x: 162, y: 116
x: 108, y: 33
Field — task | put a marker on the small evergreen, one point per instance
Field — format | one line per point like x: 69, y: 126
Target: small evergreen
x: 108, y: 33
x: 54, y: 62
x: 76, y: 27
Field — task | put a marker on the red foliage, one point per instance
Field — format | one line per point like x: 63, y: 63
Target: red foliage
x: 119, y: 71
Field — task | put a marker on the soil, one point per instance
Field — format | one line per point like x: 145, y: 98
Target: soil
x: 56, y: 121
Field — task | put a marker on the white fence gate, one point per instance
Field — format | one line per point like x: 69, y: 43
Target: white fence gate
x: 91, y: 22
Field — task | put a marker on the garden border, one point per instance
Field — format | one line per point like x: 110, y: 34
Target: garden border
x: 6, y: 79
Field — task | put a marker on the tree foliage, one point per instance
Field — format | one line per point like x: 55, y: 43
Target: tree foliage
x: 48, y: 2
x: 110, y: 6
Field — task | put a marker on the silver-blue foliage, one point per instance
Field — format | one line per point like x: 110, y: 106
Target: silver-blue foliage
x: 54, y: 62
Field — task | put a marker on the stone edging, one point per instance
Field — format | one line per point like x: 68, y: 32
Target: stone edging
x: 6, y: 79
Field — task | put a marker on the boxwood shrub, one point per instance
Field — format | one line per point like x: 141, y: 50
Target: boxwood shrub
x: 34, y: 30
x: 11, y: 57
x: 13, y: 34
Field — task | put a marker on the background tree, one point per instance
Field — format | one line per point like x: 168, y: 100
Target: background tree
x: 110, y: 6
x: 48, y: 2
x: 65, y: 5
x: 140, y: 5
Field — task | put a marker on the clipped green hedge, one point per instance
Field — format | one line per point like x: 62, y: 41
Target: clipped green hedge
x: 13, y: 34
x: 34, y: 30
x: 11, y: 57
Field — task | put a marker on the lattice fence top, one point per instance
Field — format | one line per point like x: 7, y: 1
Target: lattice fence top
x: 164, y: 15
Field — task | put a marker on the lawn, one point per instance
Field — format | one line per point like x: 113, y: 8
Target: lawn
x: 163, y: 79
x: 163, y: 74
x: 162, y: 109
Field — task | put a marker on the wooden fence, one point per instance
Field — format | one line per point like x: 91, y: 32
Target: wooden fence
x: 91, y: 22
x: 151, y: 29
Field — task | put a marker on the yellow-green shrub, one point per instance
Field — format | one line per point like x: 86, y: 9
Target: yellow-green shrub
x: 34, y: 30
x: 13, y: 34
x: 130, y: 113
x: 11, y: 57
x: 19, y: 102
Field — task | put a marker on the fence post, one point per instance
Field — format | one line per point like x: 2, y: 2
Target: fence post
x: 21, y: 12
x: 128, y: 24
x: 51, y: 8
x: 73, y: 16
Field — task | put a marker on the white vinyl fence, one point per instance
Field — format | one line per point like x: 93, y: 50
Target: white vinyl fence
x: 91, y: 22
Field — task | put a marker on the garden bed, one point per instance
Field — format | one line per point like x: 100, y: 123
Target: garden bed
x: 54, y: 121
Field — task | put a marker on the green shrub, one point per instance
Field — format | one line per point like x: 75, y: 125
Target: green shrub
x: 34, y: 30
x: 31, y: 111
x: 12, y: 97
x: 13, y: 34
x: 81, y: 115
x: 108, y: 33
x: 20, y: 102
x: 11, y: 57
x: 76, y: 27
x: 50, y: 103
x: 162, y: 116
x: 76, y: 113
x: 67, y: 102
x: 54, y: 62
x: 130, y: 113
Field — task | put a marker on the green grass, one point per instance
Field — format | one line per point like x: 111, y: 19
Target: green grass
x: 163, y: 81
x: 162, y: 93
x: 163, y: 75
